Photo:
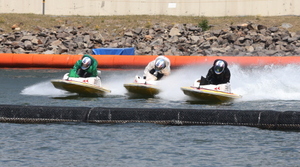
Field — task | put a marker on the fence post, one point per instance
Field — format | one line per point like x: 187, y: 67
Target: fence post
x: 44, y: 7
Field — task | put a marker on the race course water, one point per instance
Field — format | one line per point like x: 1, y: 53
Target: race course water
x: 139, y: 144
x: 262, y: 88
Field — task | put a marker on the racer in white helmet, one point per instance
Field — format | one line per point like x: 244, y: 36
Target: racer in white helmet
x: 86, y: 63
x: 157, y: 68
x: 85, y: 67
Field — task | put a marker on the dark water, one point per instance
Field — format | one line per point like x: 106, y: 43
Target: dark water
x: 137, y: 144
x: 145, y: 145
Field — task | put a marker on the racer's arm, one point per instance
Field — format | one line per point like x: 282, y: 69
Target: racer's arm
x: 227, y: 76
x: 166, y: 71
x: 73, y: 71
x: 209, y: 75
x: 149, y: 69
x: 93, y: 70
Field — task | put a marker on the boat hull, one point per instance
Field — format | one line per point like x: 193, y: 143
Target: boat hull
x: 142, y: 89
x: 80, y: 88
x: 209, y: 95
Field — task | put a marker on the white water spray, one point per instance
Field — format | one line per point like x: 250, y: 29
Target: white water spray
x: 115, y: 82
x: 44, y: 88
x: 269, y: 82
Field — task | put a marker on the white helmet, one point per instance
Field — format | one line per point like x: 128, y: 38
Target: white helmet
x: 160, y: 64
x: 86, y: 63
x: 219, y: 67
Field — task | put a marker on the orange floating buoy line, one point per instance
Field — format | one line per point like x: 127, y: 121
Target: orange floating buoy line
x: 132, y: 61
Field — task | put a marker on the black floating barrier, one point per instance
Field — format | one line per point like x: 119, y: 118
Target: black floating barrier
x: 275, y: 120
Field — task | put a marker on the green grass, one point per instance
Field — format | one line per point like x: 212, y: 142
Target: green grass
x: 30, y: 22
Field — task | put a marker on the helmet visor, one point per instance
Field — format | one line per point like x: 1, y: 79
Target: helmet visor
x: 219, y: 67
x: 86, y: 62
x: 159, y: 65
x: 159, y: 68
x: 219, y: 70
x: 85, y: 66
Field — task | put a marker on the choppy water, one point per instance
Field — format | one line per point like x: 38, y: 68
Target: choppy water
x: 136, y: 144
x: 145, y: 145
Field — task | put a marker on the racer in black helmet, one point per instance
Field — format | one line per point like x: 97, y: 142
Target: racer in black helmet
x: 218, y: 73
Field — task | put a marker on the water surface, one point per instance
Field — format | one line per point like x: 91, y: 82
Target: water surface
x: 140, y: 144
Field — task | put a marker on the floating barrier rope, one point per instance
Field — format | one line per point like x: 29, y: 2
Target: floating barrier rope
x: 268, y: 119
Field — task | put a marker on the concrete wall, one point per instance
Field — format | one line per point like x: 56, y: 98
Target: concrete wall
x: 153, y: 7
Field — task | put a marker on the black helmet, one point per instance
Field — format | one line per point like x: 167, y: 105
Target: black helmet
x: 219, y: 66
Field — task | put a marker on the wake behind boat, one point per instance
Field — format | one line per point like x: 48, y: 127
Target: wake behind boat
x: 210, y: 93
x: 90, y: 86
x: 142, y: 87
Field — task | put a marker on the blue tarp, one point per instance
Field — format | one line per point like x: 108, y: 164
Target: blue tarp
x: 113, y: 51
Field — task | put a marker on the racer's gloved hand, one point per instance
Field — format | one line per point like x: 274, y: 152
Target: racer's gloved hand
x: 152, y: 71
x: 159, y: 75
